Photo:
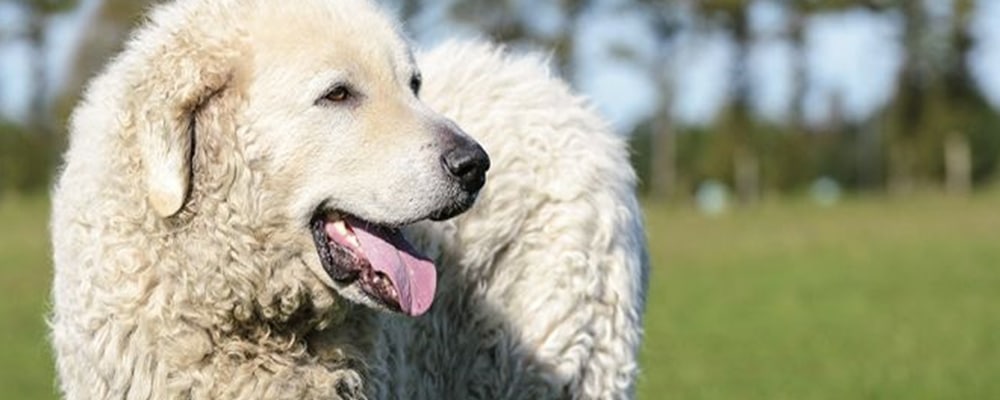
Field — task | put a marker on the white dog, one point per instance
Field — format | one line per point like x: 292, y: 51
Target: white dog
x: 246, y: 212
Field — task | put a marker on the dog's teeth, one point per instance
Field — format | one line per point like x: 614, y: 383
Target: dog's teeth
x: 340, y: 227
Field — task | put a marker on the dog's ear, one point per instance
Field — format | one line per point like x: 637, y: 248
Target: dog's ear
x: 171, y: 81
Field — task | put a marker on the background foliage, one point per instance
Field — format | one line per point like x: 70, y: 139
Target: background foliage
x: 934, y: 98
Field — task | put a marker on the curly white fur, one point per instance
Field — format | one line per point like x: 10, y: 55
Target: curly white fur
x: 543, y: 282
x: 204, y: 284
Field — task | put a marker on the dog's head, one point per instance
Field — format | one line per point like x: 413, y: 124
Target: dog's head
x: 330, y: 117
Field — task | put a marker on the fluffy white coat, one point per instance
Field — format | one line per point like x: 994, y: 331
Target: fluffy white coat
x: 541, y: 284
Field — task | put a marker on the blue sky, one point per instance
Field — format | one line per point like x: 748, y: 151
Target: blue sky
x: 853, y: 60
x: 984, y: 57
x: 14, y: 69
x: 849, y: 60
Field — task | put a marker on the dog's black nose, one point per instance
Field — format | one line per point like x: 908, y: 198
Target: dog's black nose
x: 467, y: 162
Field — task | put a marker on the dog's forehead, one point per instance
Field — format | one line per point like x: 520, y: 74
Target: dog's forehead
x: 320, y: 36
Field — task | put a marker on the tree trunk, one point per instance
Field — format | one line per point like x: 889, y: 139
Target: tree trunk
x: 902, y: 165
x: 38, y: 117
x: 869, y: 153
x: 746, y: 167
x: 746, y: 173
x: 912, y: 98
x: 958, y: 164
x: 663, y: 177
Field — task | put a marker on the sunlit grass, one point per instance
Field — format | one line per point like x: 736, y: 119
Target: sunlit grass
x: 878, y: 298
x: 874, y: 298
x: 25, y: 273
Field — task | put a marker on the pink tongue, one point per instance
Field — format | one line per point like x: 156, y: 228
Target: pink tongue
x: 412, y: 274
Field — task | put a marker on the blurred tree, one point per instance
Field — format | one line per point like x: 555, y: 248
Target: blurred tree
x: 937, y: 126
x: 663, y: 175
x: 916, y: 79
x: 936, y: 94
x: 38, y: 12
x: 745, y: 161
x: 954, y: 102
x: 28, y: 153
x: 742, y: 159
x: 508, y: 21
x: 861, y: 147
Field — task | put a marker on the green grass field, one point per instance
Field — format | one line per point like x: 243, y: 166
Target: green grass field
x: 872, y: 299
x: 25, y: 273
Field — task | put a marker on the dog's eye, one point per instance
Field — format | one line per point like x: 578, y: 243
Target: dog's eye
x: 415, y: 81
x: 338, y: 94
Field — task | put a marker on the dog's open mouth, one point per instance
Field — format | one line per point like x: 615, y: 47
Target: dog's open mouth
x: 378, y: 259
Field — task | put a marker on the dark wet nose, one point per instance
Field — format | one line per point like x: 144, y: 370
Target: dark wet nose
x: 467, y: 162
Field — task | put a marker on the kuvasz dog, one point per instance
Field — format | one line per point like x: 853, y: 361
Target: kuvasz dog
x: 265, y: 199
